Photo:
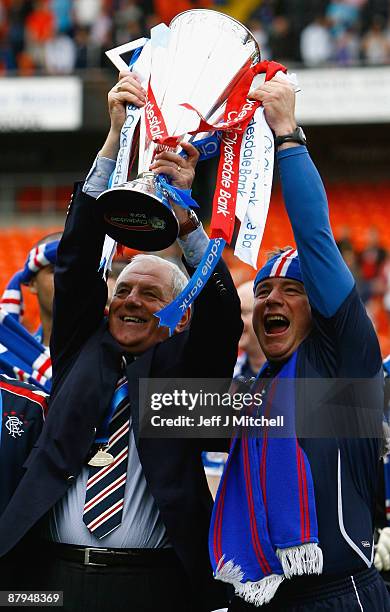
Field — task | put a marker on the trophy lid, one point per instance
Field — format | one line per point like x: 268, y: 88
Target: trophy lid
x: 246, y: 35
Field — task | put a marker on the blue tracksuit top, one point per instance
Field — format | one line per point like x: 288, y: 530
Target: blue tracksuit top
x: 331, y: 419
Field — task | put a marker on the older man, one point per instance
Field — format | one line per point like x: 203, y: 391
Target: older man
x: 133, y: 533
x: 300, y: 502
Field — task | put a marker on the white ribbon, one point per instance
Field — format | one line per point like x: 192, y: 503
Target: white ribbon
x: 133, y: 114
x: 255, y: 184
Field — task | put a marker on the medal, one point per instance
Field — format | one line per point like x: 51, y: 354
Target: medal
x: 101, y: 459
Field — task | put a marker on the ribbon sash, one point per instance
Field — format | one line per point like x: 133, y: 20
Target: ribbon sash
x: 254, y: 190
x: 224, y: 203
x: 171, y: 314
x: 133, y: 114
x: 120, y: 174
x: 156, y: 129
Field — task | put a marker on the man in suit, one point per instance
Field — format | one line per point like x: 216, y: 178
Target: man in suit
x: 147, y: 548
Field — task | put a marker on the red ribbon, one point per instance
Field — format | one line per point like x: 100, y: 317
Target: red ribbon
x: 155, y: 124
x: 225, y: 195
x: 238, y: 113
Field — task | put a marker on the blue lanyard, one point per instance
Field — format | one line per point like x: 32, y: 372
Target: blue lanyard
x: 103, y: 434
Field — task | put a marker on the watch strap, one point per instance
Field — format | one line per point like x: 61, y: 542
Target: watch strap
x: 296, y: 135
x: 190, y: 225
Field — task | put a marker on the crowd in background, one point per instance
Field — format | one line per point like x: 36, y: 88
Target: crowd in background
x: 339, y: 32
x: 61, y: 36
x: 370, y: 268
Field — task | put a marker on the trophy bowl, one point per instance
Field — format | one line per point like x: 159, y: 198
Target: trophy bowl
x: 137, y: 213
x: 136, y: 217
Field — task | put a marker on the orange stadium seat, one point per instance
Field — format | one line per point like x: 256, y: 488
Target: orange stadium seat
x: 356, y: 205
x: 15, y: 243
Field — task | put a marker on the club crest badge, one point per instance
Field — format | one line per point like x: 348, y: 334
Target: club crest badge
x: 14, y: 426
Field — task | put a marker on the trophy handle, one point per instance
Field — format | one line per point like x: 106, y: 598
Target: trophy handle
x: 114, y: 55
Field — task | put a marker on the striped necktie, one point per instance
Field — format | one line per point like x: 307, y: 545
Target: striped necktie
x: 104, y: 497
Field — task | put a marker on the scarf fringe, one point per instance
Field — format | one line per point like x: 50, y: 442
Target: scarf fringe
x: 228, y: 572
x: 301, y: 560
x: 256, y: 593
x: 385, y: 446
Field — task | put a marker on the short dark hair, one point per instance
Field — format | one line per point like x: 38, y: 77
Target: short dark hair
x: 277, y: 251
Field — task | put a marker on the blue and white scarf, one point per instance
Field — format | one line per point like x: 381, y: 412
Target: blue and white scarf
x: 21, y: 355
x: 39, y: 257
x: 264, y: 524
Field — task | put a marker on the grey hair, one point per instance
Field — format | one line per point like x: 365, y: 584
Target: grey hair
x: 179, y: 279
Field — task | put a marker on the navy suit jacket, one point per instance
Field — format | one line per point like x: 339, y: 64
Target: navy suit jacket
x: 86, y: 364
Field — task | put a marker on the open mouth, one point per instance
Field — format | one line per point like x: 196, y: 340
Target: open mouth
x: 133, y: 320
x: 276, y: 324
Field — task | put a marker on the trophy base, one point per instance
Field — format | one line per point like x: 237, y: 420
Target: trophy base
x: 135, y: 217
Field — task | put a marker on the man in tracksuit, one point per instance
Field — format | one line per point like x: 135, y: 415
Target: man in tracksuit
x: 317, y: 315
x: 22, y: 408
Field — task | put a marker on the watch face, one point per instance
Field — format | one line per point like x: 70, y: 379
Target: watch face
x: 301, y: 133
x: 193, y: 216
x: 298, y: 136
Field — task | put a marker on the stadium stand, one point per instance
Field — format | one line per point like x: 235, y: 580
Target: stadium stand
x: 356, y: 205
x: 15, y: 244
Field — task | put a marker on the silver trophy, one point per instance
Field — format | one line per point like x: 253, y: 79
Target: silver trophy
x: 197, y: 61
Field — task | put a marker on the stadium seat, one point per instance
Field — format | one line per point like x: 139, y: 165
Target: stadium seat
x: 15, y: 244
x: 358, y: 206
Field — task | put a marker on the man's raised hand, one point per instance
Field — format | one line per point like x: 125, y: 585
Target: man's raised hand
x: 128, y: 90
x: 180, y: 169
x: 278, y: 99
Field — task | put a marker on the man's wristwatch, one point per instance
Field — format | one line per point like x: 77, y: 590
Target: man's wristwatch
x: 190, y: 225
x: 298, y: 135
